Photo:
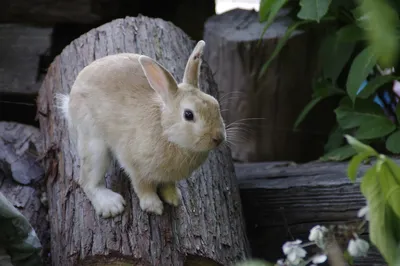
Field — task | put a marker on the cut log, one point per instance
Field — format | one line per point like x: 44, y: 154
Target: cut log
x: 21, y: 176
x: 277, y: 98
x: 207, y: 228
x: 283, y: 201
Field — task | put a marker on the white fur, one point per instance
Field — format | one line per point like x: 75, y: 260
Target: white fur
x: 129, y: 106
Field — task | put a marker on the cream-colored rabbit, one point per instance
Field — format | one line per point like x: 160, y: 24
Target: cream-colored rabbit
x: 129, y: 106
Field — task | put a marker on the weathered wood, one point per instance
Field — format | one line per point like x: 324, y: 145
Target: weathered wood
x: 283, y: 200
x: 236, y: 57
x: 20, y: 50
x: 208, y: 226
x: 21, y: 176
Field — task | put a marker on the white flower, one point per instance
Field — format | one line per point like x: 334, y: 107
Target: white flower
x: 358, y: 247
x: 317, y: 234
x: 280, y: 262
x: 320, y: 258
x: 364, y: 212
x: 293, y: 251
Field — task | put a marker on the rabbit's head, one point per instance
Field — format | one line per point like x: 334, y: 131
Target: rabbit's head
x: 190, y: 118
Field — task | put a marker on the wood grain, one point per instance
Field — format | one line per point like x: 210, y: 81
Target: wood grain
x: 208, y: 225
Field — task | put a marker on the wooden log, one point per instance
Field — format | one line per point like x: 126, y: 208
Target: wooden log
x: 277, y: 98
x: 21, y: 176
x: 282, y: 201
x: 207, y: 228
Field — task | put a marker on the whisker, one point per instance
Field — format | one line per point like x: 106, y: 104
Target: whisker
x: 223, y: 101
x: 227, y: 93
x: 244, y: 119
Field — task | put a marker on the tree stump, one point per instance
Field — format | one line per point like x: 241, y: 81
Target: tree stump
x: 278, y: 97
x: 21, y: 182
x: 208, y: 227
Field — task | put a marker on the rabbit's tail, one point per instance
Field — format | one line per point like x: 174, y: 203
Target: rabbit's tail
x: 62, y: 104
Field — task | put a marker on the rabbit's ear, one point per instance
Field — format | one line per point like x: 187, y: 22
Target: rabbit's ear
x: 159, y: 78
x: 192, y: 69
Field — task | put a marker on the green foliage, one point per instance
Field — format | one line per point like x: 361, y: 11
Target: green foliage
x: 360, y: 68
x: 374, y: 85
x: 313, y: 9
x: 333, y: 55
x: 393, y: 142
x: 361, y: 38
x: 254, y: 263
x: 280, y: 44
x: 379, y: 20
x: 338, y: 154
x: 380, y: 185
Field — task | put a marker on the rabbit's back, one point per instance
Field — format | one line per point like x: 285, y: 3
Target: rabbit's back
x: 112, y: 96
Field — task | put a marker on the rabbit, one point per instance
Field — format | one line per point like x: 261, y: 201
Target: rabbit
x: 129, y: 106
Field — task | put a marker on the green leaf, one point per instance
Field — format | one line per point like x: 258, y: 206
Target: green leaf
x: 375, y: 84
x: 394, y: 168
x: 354, y: 164
x: 348, y: 258
x: 254, y: 262
x: 306, y: 110
x: 272, y: 9
x: 280, y: 45
x: 359, y: 70
x: 360, y: 147
x: 335, y: 139
x: 339, y: 154
x: 322, y: 90
x: 265, y: 8
x: 390, y: 187
x: 362, y: 112
x: 375, y: 128
x: 350, y: 33
x: 379, y: 21
x: 334, y: 55
x: 313, y: 9
x: 393, y: 142
x: 383, y: 224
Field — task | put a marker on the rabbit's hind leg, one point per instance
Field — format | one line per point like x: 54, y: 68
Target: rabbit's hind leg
x: 95, y: 158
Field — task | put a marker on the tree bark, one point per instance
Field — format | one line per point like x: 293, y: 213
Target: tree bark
x: 236, y: 57
x: 21, y: 179
x: 208, y: 227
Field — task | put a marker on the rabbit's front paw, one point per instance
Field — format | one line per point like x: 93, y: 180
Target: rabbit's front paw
x: 151, y: 203
x: 171, y: 194
x: 107, y: 203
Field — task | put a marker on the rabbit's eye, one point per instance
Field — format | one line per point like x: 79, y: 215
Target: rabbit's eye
x: 188, y: 115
